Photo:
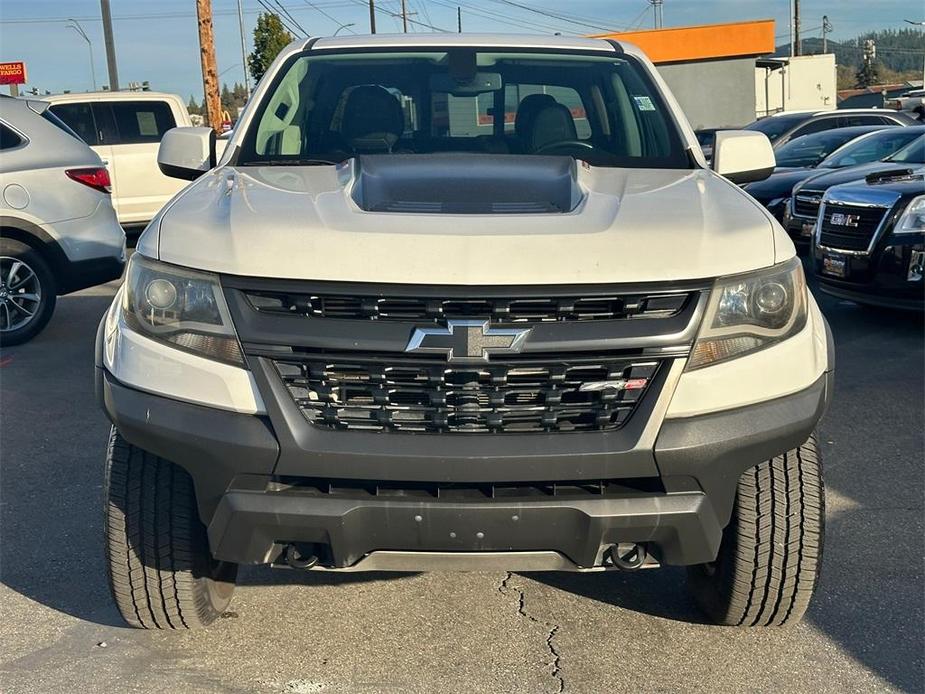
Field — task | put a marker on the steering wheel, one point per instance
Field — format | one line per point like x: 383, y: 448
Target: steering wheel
x: 563, y: 144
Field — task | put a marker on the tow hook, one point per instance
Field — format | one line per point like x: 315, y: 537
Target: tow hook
x: 297, y: 560
x: 628, y: 556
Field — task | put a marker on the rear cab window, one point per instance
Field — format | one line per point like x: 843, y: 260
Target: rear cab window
x: 117, y: 122
x: 141, y: 121
x: 79, y: 118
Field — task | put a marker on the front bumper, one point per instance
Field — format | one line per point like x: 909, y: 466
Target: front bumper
x: 891, y: 276
x: 678, y: 509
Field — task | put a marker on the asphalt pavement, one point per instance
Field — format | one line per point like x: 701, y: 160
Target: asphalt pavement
x: 462, y: 632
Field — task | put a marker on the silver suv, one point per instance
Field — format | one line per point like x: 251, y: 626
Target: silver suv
x: 58, y: 231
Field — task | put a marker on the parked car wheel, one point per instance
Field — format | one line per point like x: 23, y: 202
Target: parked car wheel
x: 769, y: 560
x: 27, y: 292
x: 161, y: 573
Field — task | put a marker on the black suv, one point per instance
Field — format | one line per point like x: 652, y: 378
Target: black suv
x: 783, y: 127
x: 869, y: 244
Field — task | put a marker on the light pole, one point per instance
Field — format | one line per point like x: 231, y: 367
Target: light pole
x: 344, y: 26
x: 75, y: 25
x: 247, y: 85
x: 922, y: 25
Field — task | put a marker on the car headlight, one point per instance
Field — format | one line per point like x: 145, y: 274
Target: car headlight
x: 183, y: 308
x: 749, y: 312
x: 913, y: 219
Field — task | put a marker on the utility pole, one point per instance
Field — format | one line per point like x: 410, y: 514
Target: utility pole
x: 797, y: 45
x: 110, y: 46
x: 826, y: 30
x: 404, y: 16
x: 458, y: 19
x: 247, y: 82
x: 209, y: 69
x: 372, y: 16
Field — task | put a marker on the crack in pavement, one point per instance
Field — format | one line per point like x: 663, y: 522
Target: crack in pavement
x: 553, y: 629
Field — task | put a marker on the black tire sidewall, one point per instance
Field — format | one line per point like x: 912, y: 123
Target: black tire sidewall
x: 36, y: 261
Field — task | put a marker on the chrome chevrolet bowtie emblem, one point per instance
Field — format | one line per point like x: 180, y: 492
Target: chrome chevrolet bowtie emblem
x: 467, y: 340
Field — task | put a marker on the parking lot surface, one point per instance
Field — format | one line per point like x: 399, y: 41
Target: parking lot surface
x: 466, y: 632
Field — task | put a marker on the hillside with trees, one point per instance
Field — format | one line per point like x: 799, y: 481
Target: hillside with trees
x: 900, y: 53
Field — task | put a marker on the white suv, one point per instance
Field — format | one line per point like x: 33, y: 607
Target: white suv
x: 58, y: 231
x: 464, y: 302
x: 125, y: 129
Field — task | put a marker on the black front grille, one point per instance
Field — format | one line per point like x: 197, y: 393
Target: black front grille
x: 465, y: 491
x: 849, y: 227
x: 517, y: 396
x: 806, y: 204
x: 433, y: 309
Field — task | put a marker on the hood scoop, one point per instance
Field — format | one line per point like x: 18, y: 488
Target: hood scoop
x: 466, y: 184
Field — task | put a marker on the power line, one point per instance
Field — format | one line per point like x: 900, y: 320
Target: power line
x: 480, y: 11
x: 153, y: 15
x: 332, y: 18
x: 382, y: 10
x: 545, y: 13
x: 269, y: 9
x: 291, y: 18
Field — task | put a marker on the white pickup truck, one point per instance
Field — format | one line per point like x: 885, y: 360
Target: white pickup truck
x: 125, y: 130
x: 371, y: 336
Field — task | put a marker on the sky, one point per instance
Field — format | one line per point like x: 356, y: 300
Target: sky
x: 157, y: 40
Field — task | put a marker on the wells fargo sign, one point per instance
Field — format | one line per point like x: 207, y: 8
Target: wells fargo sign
x: 13, y: 73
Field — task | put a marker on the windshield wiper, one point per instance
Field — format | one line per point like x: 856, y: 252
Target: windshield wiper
x: 289, y: 162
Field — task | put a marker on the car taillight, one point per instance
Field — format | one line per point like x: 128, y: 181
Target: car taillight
x: 94, y: 176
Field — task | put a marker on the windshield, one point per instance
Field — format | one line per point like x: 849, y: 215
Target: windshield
x: 775, y: 126
x: 325, y: 108
x: 809, y: 150
x: 871, y: 148
x: 913, y: 153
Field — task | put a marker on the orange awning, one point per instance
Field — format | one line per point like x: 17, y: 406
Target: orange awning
x: 704, y: 42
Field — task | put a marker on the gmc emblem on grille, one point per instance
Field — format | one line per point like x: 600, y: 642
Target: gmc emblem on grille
x: 845, y: 220
x: 470, y: 341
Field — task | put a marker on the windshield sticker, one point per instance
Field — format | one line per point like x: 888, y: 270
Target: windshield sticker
x: 644, y: 103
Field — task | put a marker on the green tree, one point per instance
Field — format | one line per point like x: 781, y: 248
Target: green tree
x: 270, y: 37
x: 192, y: 106
x: 226, y: 98
x: 868, y: 74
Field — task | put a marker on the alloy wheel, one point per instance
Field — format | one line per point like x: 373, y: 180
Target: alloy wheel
x: 20, y: 294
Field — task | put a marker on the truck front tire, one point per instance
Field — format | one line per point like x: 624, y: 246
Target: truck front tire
x: 161, y: 572
x: 769, y: 559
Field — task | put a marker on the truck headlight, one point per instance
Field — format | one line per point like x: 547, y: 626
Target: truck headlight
x: 183, y: 308
x: 749, y: 312
x: 913, y: 219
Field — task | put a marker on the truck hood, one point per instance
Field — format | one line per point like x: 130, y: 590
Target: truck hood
x: 823, y: 180
x: 627, y: 225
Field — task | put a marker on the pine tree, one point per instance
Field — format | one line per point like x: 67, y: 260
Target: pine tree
x: 867, y: 74
x: 270, y: 37
x: 226, y: 98
x: 192, y: 106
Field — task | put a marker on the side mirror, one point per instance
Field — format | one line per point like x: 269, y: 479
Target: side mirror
x: 186, y: 153
x: 743, y: 156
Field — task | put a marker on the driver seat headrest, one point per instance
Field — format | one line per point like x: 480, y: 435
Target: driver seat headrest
x: 554, y: 123
x: 373, y: 119
x: 527, y: 109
